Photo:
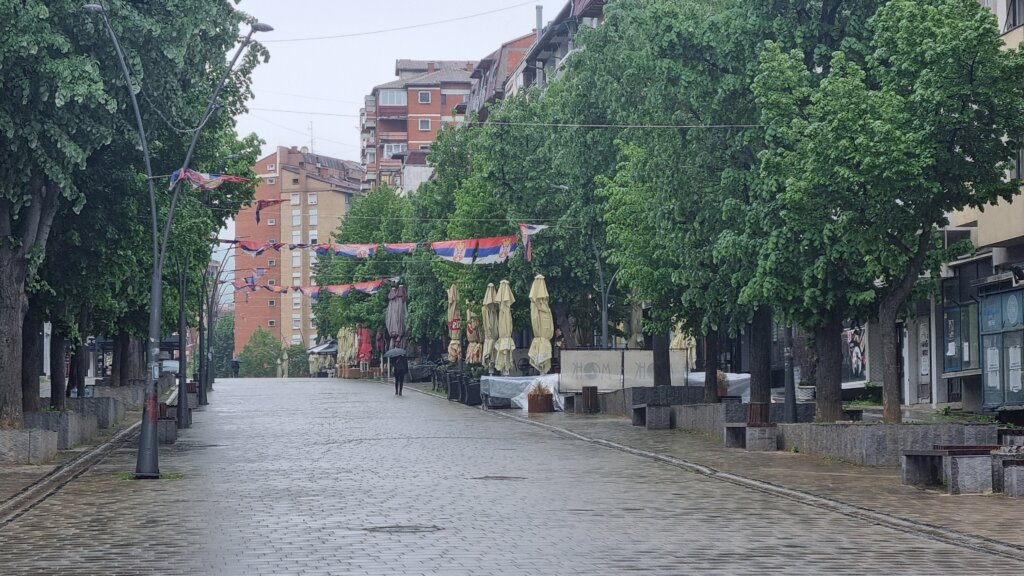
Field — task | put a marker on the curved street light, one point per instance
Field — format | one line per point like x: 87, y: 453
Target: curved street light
x: 147, y: 464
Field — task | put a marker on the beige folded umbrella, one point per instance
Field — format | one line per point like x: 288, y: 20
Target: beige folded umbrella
x: 489, y: 316
x: 504, y: 345
x: 454, y: 324
x: 543, y: 326
x: 474, y: 347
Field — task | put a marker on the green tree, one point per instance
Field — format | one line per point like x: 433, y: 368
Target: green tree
x: 260, y: 355
x: 866, y: 163
x: 223, y: 345
x: 298, y: 363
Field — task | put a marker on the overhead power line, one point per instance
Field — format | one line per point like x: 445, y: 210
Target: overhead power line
x: 399, y: 28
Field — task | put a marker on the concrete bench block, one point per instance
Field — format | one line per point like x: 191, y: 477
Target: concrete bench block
x: 1013, y: 481
x: 133, y: 397
x: 735, y: 436
x: 167, y: 430
x: 72, y: 428
x: 108, y: 411
x: 967, y: 474
x: 193, y: 400
x: 27, y: 446
x: 762, y: 438
x: 659, y: 417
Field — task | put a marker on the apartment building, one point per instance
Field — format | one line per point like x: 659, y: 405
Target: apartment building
x: 493, y: 71
x: 318, y: 192
x: 406, y: 114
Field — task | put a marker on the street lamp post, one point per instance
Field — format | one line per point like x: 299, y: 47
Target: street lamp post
x: 182, y: 341
x: 147, y: 463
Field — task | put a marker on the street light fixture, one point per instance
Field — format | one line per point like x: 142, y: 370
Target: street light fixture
x: 147, y: 464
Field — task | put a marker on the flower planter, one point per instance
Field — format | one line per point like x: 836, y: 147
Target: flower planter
x: 540, y: 403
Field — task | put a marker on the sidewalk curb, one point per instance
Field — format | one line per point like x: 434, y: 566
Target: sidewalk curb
x: 35, y: 493
x: 906, y: 525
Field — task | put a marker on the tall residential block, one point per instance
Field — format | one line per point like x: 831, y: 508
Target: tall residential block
x: 318, y: 192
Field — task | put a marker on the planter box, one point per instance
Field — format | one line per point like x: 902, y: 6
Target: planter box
x: 133, y: 397
x: 712, y: 418
x: 540, y: 403
x: 167, y: 430
x: 108, y: 411
x: 27, y: 446
x: 621, y: 401
x: 879, y: 444
x: 72, y: 428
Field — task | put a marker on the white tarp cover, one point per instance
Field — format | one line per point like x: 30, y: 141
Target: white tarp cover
x: 638, y: 368
x: 517, y: 387
x: 739, y: 384
x: 601, y: 368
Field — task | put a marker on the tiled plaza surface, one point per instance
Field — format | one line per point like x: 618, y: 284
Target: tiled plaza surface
x: 342, y: 477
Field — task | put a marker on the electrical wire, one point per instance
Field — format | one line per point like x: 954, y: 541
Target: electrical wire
x: 399, y: 28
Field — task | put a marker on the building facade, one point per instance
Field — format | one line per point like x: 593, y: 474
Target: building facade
x: 318, y: 192
x: 406, y: 114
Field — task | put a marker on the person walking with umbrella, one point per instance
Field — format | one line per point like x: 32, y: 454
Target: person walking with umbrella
x: 400, y: 366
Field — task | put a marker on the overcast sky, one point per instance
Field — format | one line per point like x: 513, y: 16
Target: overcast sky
x: 332, y: 76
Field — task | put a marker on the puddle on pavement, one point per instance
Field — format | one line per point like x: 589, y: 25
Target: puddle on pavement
x: 403, y: 529
x: 499, y: 478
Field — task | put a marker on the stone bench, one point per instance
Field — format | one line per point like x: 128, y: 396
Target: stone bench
x: 752, y: 437
x: 166, y: 430
x: 961, y: 469
x: 652, y: 416
x: 1010, y: 436
x: 72, y: 428
x: 108, y: 410
x: 1013, y: 478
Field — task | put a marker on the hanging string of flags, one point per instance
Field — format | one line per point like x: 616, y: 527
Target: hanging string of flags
x: 368, y: 287
x: 494, y: 250
x: 204, y: 180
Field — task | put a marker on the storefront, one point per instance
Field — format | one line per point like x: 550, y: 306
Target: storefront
x: 1002, y: 337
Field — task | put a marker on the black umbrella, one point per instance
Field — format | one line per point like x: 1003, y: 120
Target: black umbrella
x: 394, y: 352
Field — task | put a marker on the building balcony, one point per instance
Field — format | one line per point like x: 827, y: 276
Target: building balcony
x: 394, y: 136
x: 393, y: 112
x: 389, y: 164
x: 369, y: 124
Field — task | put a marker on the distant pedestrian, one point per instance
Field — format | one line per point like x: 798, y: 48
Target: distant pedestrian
x: 235, y: 365
x: 401, y: 367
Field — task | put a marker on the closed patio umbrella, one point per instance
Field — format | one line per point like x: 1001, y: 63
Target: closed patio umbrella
x: 396, y: 315
x: 365, y: 346
x: 454, y: 324
x: 543, y: 326
x: 504, y: 346
x: 474, y: 348
x: 489, y: 317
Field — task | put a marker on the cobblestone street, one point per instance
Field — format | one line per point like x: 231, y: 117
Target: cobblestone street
x: 342, y: 477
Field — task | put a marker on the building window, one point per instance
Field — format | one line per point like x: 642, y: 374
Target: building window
x: 296, y: 321
x: 272, y: 222
x: 271, y: 263
x: 312, y: 236
x: 424, y: 124
x: 271, y: 180
x: 272, y: 303
x: 392, y: 149
x: 296, y: 259
x: 295, y: 198
x: 271, y: 323
x: 424, y: 146
x: 312, y: 259
x: 295, y: 236
x: 271, y: 168
x: 296, y: 301
x: 271, y: 282
x: 295, y: 181
x: 312, y: 218
x: 393, y: 98
x: 312, y: 322
x: 1014, y: 15
x: 311, y: 199
x: 296, y: 217
x: 312, y: 341
x: 296, y: 339
x: 296, y: 279
x: 371, y: 156
x: 424, y: 97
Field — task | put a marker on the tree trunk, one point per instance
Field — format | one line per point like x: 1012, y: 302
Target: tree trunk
x: 115, y: 360
x: 73, y: 369
x: 56, y: 367
x: 828, y: 349
x: 12, y: 309
x: 82, y: 352
x: 711, y: 367
x: 892, y: 412
x: 31, y: 360
x: 760, y: 366
x: 662, y: 367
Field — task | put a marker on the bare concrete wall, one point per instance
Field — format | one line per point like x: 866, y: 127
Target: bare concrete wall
x: 878, y: 444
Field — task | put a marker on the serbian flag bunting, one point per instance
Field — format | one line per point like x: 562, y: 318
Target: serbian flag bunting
x: 371, y: 287
x: 527, y: 230
x: 355, y: 250
x: 321, y: 249
x: 251, y: 283
x: 298, y: 246
x: 457, y: 251
x: 252, y: 247
x: 261, y: 204
x: 340, y: 289
x: 276, y: 245
x: 203, y: 180
x: 239, y: 284
x: 276, y: 289
x: 311, y: 291
x: 406, y: 248
x: 495, y: 250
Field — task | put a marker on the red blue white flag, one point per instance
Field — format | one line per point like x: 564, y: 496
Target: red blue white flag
x: 371, y: 287
x: 340, y: 289
x: 404, y: 248
x: 261, y: 204
x: 252, y: 247
x: 354, y: 250
x: 276, y: 289
x: 203, y: 180
x: 495, y: 250
x: 457, y: 251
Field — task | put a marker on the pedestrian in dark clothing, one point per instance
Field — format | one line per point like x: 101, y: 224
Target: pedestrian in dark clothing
x: 401, y: 367
x: 235, y: 365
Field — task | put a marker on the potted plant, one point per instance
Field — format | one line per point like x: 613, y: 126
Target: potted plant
x: 805, y: 390
x: 540, y: 399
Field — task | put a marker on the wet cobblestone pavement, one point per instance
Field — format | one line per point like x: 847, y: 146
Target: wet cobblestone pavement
x: 341, y: 477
